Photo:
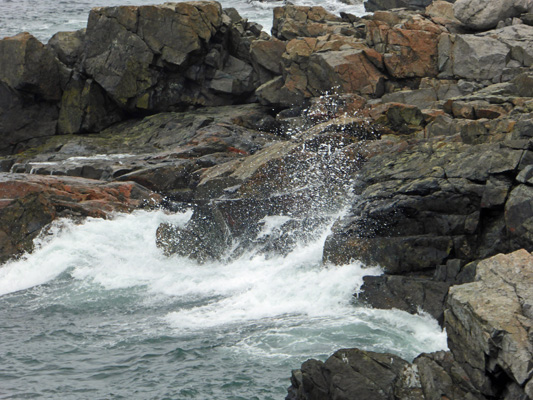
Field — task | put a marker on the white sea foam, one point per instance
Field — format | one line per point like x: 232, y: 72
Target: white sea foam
x: 271, y: 223
x: 304, y: 305
x: 115, y: 253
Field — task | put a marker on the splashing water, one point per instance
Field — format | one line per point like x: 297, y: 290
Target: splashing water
x: 98, y: 312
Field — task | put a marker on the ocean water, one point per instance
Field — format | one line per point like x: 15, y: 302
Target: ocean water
x: 43, y: 18
x: 97, y: 312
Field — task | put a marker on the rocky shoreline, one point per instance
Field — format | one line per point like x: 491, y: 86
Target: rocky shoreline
x: 424, y: 112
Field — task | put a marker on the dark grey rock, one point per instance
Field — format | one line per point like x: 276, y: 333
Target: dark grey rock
x: 441, y: 376
x: 23, y: 119
x: 206, y: 236
x: 27, y: 65
x: 408, y: 293
x: 68, y: 46
x: 375, y: 5
x: 347, y: 374
x: 85, y: 107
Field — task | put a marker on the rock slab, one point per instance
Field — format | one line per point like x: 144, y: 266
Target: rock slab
x: 489, y: 324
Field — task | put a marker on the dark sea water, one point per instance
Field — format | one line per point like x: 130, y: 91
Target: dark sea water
x: 43, y: 18
x: 97, y: 312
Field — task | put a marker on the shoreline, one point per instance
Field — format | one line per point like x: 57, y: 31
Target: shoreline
x: 432, y: 113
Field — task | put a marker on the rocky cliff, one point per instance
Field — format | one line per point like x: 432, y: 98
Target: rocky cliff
x: 422, y: 115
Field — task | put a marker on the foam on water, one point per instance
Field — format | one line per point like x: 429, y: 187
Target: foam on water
x: 114, y: 253
x: 100, y: 296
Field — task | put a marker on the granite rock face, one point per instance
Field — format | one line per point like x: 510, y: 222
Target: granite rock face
x: 68, y: 46
x: 428, y: 124
x: 31, y: 83
x: 27, y: 65
x: 437, y: 202
x: 482, y: 14
x: 489, y: 323
x: 30, y: 202
x: 129, y: 60
x: 142, y: 56
x: 409, y: 47
x: 496, y: 56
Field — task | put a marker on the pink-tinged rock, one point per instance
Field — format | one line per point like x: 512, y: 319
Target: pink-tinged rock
x: 30, y: 202
x: 409, y: 49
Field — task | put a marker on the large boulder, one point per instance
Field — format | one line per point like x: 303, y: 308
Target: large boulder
x: 266, y: 58
x: 518, y: 39
x: 489, y: 323
x: 408, y: 293
x: 31, y: 83
x: 409, y: 46
x: 68, y: 46
x: 315, y: 66
x: 496, y: 56
x: 485, y: 14
x: 116, y: 57
x: 27, y: 65
x: 440, y: 376
x: 156, y: 58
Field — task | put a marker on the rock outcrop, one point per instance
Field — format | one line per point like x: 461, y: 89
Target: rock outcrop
x: 30, y: 202
x: 348, y: 374
x: 488, y: 323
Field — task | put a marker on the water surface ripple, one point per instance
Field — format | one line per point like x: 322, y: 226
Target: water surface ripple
x: 97, y: 312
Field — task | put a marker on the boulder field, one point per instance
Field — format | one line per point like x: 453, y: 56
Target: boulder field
x: 417, y: 119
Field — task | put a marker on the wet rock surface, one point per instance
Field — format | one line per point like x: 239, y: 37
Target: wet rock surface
x: 28, y: 203
x: 347, y: 374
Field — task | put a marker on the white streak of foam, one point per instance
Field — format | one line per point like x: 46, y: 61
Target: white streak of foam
x: 107, y: 251
x: 271, y: 223
x: 292, y: 291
